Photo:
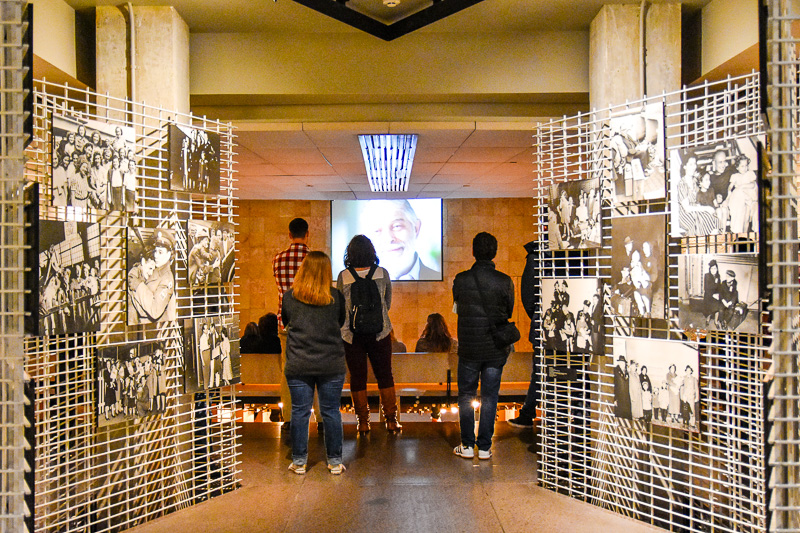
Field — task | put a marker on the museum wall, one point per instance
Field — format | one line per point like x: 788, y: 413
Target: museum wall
x: 263, y: 231
x: 54, y: 34
x: 729, y: 27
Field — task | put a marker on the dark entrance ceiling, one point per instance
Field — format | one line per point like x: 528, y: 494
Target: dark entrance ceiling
x: 388, y: 19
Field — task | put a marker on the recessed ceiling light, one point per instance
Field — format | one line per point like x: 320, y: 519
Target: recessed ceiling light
x: 388, y: 160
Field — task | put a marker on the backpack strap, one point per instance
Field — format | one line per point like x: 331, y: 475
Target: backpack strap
x: 353, y: 272
x: 372, y: 270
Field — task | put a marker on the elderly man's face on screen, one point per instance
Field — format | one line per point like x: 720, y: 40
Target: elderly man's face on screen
x: 393, y: 228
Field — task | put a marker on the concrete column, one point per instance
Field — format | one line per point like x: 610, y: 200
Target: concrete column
x: 159, y: 74
x: 614, y: 52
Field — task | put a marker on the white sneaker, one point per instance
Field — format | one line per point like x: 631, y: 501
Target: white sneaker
x: 298, y: 469
x: 336, y: 469
x: 484, y: 454
x: 463, y: 451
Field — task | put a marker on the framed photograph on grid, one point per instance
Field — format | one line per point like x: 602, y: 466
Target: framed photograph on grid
x: 638, y: 265
x: 573, y: 318
x: 93, y: 164
x: 212, y: 353
x: 193, y: 160
x: 211, y: 253
x: 69, y: 277
x: 573, y: 215
x: 30, y: 201
x: 657, y: 382
x: 714, y: 188
x: 152, y: 292
x: 637, y: 153
x: 131, y: 382
x: 719, y: 292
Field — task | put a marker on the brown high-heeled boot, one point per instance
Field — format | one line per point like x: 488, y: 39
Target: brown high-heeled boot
x: 389, y: 403
x: 361, y: 406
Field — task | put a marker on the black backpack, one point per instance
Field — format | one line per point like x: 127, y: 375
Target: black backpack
x: 366, y: 311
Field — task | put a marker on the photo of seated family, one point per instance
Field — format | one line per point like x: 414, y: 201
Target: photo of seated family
x: 714, y: 188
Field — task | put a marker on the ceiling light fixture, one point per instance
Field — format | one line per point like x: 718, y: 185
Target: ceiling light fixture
x: 391, y: 3
x: 388, y: 159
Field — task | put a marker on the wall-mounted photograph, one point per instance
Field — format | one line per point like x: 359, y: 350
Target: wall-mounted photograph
x: 657, y: 382
x: 131, y: 382
x: 637, y: 265
x: 212, y: 353
x: 193, y: 160
x: 637, y: 153
x: 93, y: 164
x: 151, y: 275
x: 573, y: 315
x: 719, y: 292
x: 69, y: 277
x: 211, y: 253
x: 714, y: 188
x: 573, y: 215
x: 30, y: 199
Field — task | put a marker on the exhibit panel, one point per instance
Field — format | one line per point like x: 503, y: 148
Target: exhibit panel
x: 119, y: 442
x: 666, y: 423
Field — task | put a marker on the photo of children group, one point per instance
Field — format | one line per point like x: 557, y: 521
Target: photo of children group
x: 93, y: 165
x: 573, y: 321
x: 131, y: 382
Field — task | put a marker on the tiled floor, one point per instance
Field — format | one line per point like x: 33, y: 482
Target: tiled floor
x: 411, y: 482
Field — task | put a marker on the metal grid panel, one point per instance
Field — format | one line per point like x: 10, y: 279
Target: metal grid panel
x: 110, y: 478
x: 13, y: 489
x: 677, y: 480
x: 783, y: 48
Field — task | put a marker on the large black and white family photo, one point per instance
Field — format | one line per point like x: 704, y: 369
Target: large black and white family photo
x: 719, y: 292
x: 94, y: 165
x: 212, y: 353
x: 131, y: 382
x: 152, y: 294
x: 573, y: 216
x: 193, y: 160
x: 69, y: 277
x: 637, y: 151
x: 637, y: 266
x: 572, y: 319
x: 714, y: 188
x: 657, y: 382
x: 211, y: 253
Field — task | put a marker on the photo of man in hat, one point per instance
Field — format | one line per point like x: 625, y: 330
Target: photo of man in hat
x: 151, y: 276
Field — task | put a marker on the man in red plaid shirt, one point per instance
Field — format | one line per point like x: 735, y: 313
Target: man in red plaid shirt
x: 284, y: 267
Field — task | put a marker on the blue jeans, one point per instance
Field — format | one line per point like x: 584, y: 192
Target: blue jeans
x: 469, y: 372
x: 329, y: 389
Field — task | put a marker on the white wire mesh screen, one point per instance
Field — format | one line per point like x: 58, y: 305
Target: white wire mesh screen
x: 709, y: 477
x: 784, y: 118
x: 13, y: 508
x: 92, y: 475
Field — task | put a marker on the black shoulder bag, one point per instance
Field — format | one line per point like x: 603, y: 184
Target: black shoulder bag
x: 504, y: 333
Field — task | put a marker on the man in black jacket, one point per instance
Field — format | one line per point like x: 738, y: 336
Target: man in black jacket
x: 483, y: 296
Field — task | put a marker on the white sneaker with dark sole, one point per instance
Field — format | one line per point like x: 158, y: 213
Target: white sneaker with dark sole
x: 463, y: 451
x: 484, y: 454
x: 297, y: 469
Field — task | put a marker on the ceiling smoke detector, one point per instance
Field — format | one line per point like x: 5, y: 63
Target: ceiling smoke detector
x: 391, y: 3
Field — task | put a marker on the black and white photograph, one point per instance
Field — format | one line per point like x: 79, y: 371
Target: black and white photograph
x: 638, y: 266
x: 657, y: 382
x: 151, y: 275
x: 131, y: 382
x: 69, y: 277
x: 573, y: 215
x: 30, y: 200
x: 212, y: 353
x: 94, y: 165
x: 719, y: 292
x: 572, y: 319
x: 193, y: 160
x: 637, y: 151
x: 211, y: 253
x: 714, y: 188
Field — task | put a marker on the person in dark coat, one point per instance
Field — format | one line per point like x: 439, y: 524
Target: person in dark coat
x: 530, y: 301
x: 483, y: 296
x: 268, y: 332
x: 622, y: 394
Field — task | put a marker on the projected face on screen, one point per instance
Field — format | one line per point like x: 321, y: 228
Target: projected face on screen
x: 406, y: 234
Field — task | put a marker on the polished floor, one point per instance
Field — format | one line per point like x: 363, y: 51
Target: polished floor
x: 410, y: 482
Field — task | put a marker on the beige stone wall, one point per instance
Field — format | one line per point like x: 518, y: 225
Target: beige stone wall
x: 263, y: 232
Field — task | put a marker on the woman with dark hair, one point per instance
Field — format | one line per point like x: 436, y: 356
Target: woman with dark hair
x: 436, y: 336
x: 313, y: 313
x: 250, y: 340
x: 360, y: 260
x: 711, y: 297
x: 268, y: 331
